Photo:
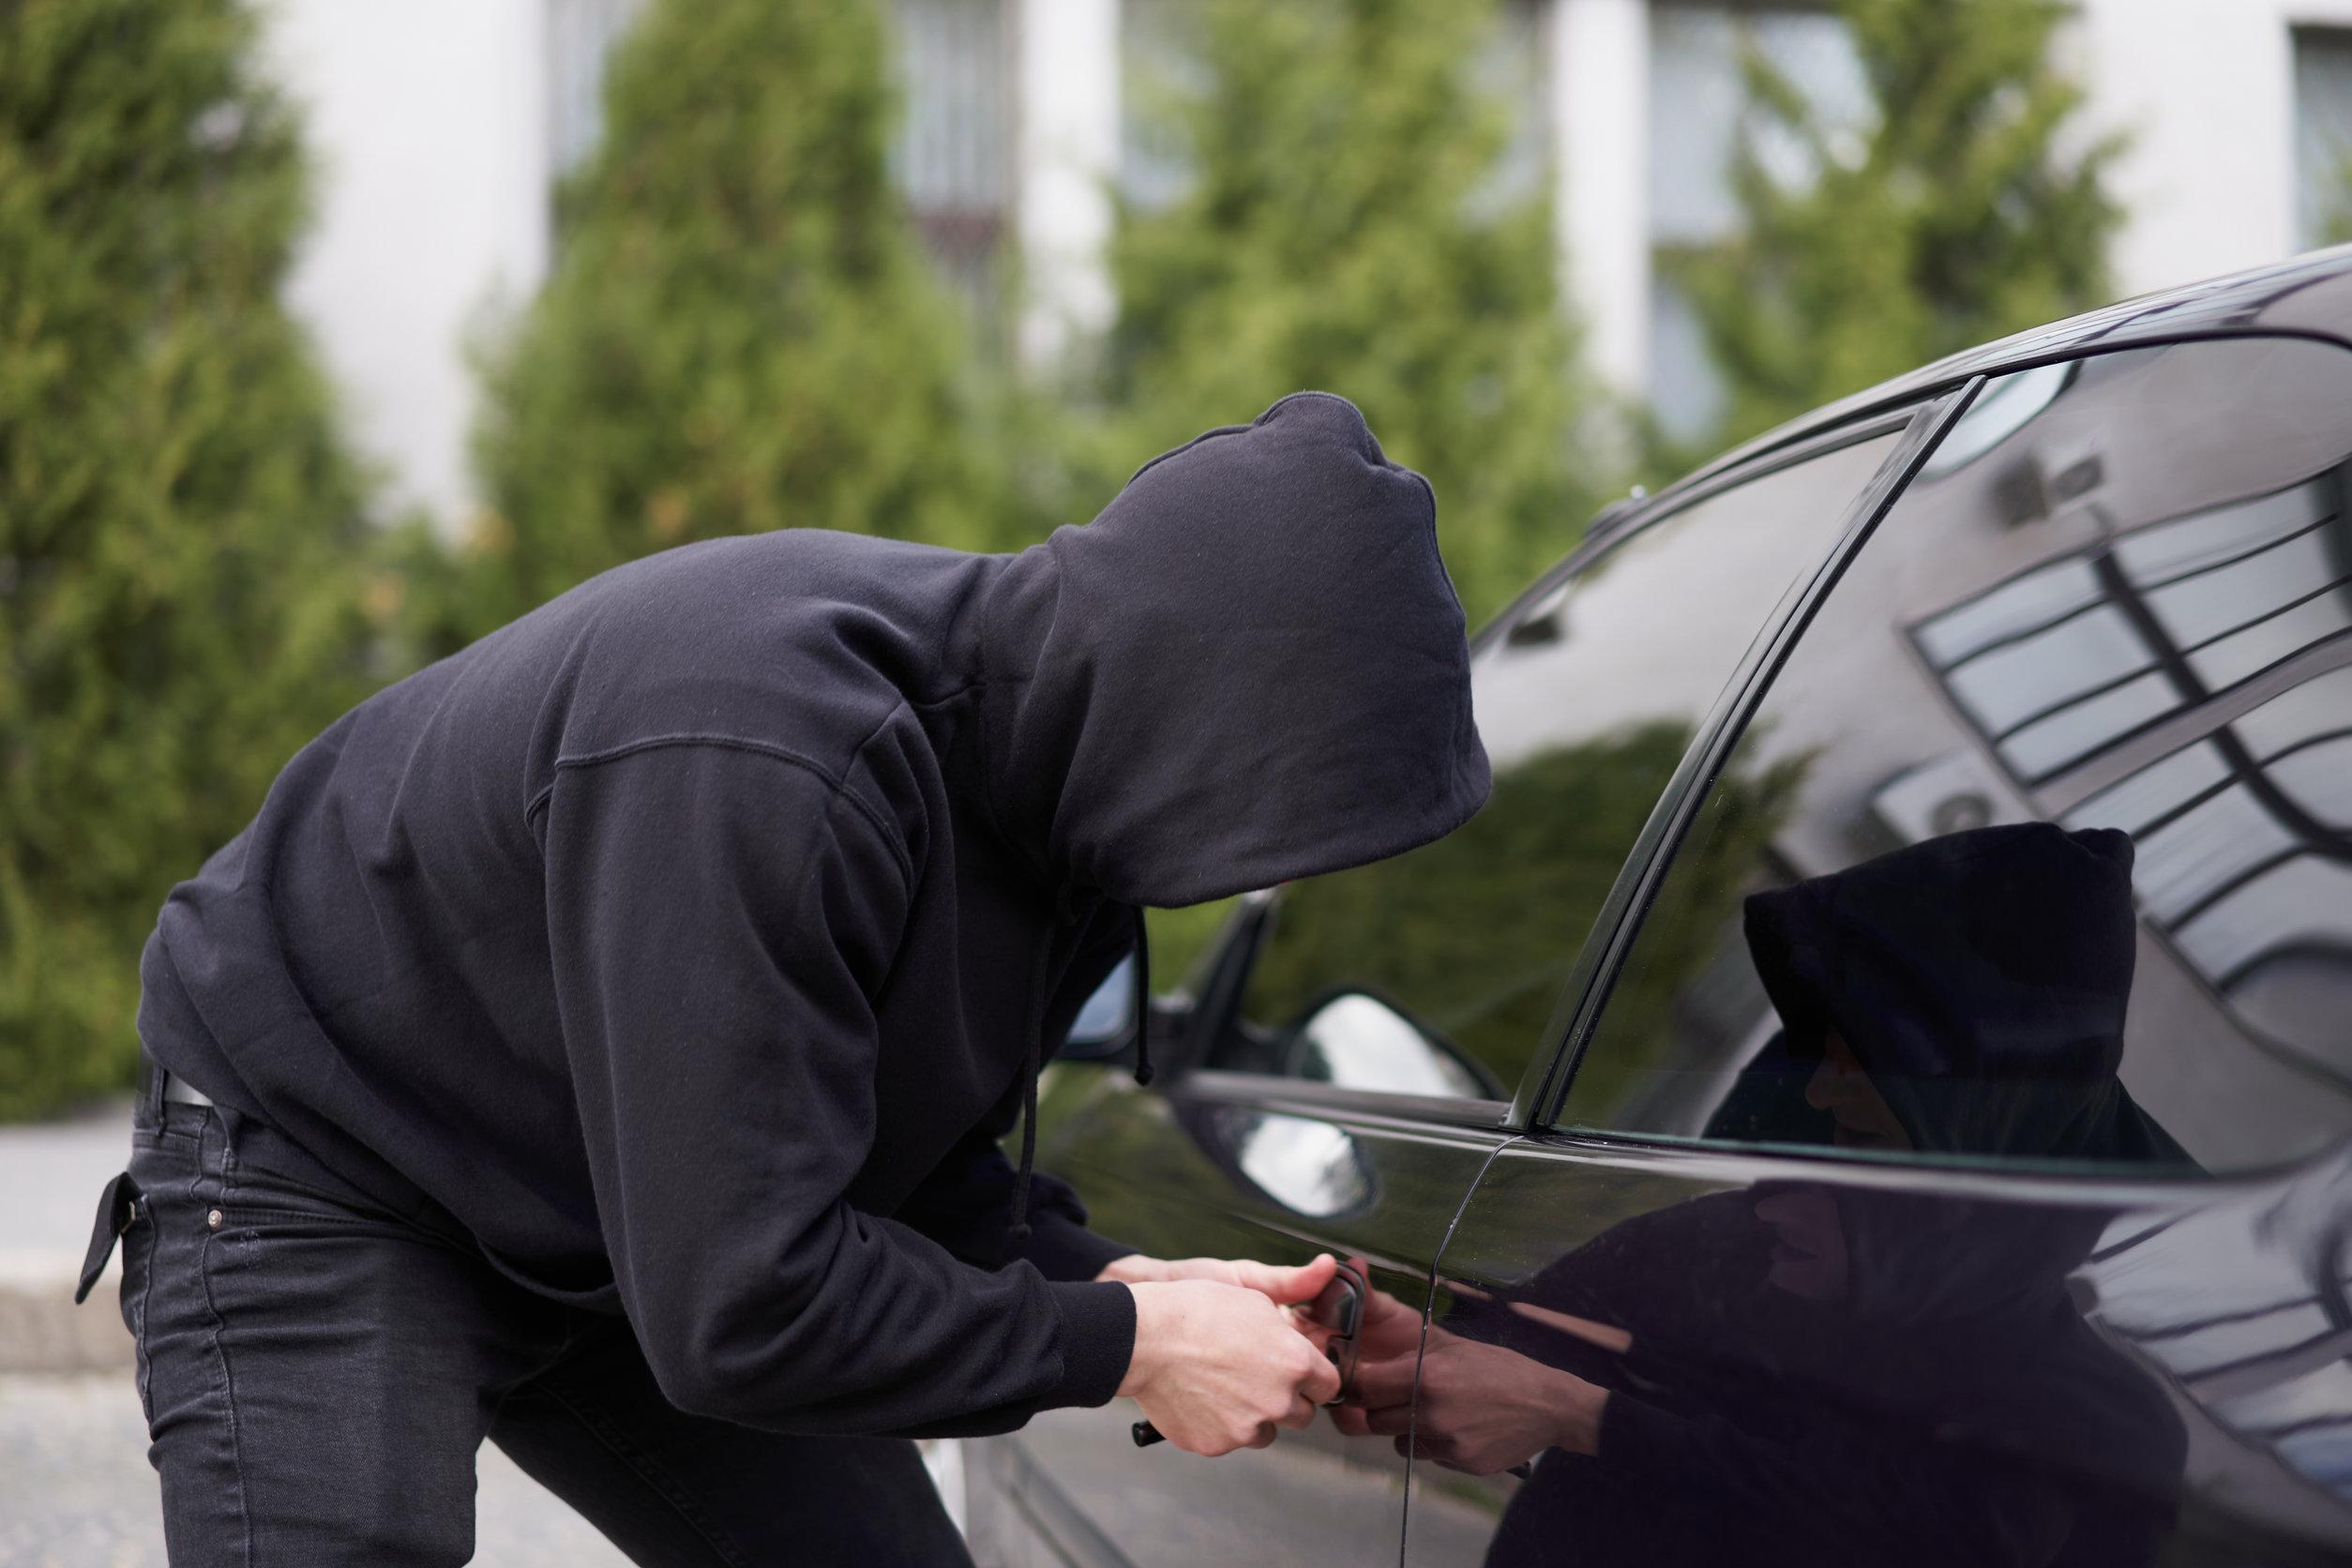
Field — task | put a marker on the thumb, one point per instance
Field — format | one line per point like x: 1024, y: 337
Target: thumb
x: 1291, y: 1286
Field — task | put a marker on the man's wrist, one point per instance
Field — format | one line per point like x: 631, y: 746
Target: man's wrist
x: 1143, y: 1360
x: 1580, y: 1405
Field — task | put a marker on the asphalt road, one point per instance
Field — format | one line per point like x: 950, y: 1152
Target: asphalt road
x: 76, y: 1490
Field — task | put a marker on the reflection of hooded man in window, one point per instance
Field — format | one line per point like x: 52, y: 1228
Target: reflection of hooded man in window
x: 1962, y: 996
x: 1809, y: 1373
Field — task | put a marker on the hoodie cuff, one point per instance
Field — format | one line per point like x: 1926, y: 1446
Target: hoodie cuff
x: 1097, y: 1342
x: 1633, y: 1435
x: 1063, y: 1250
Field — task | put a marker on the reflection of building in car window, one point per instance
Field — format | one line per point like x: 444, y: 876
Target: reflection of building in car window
x: 2254, y: 1345
x: 2242, y: 813
x: 2125, y: 601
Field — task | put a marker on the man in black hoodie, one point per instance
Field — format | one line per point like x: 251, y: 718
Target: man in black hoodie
x: 600, y: 1040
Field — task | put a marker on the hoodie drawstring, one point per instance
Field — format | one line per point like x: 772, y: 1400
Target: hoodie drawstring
x: 1142, y: 1001
x: 1017, y: 1232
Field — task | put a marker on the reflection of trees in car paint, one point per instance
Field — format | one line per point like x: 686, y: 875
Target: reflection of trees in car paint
x: 1476, y: 935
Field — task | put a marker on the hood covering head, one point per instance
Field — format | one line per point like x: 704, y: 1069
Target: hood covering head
x: 1981, y: 979
x: 1251, y: 668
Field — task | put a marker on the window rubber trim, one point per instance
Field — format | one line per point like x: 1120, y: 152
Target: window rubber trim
x: 1541, y: 1094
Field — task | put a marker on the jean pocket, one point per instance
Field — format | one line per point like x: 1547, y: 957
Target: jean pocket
x: 257, y: 1202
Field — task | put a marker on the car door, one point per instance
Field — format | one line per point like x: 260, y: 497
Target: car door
x: 1342, y: 1066
x: 1949, y: 1165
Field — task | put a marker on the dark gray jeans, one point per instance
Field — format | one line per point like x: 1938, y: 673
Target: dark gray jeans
x: 318, y: 1374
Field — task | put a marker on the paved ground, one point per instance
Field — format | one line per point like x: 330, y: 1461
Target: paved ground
x: 76, y: 1490
x: 50, y: 1177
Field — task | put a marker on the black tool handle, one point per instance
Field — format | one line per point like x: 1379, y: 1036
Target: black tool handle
x: 1146, y: 1434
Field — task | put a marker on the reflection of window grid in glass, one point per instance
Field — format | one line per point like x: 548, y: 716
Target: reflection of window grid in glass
x: 2269, y: 1367
x: 2060, y: 663
x: 2244, y: 858
x: 952, y: 156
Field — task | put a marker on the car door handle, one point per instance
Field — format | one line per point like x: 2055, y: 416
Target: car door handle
x: 1340, y: 1309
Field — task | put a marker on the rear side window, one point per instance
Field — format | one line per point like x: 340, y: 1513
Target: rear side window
x: 1436, y: 972
x: 2040, y: 847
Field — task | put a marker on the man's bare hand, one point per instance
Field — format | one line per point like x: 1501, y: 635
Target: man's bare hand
x: 1219, y: 1366
x: 1284, y: 1286
x: 1481, y: 1408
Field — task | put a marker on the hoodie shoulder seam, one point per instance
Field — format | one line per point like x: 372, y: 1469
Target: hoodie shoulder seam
x: 840, y: 787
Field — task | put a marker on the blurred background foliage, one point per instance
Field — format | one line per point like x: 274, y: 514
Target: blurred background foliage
x: 1968, y: 208
x: 740, y: 330
x: 1341, y: 227
x: 183, y: 555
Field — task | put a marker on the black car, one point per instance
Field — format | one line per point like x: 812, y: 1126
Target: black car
x: 1872, y: 1085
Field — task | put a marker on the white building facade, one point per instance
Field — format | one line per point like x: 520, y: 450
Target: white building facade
x: 440, y: 128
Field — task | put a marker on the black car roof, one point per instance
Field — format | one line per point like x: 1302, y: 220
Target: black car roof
x: 2308, y: 296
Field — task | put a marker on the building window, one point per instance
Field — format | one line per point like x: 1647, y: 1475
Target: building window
x: 1698, y: 114
x: 579, y: 35
x: 1163, y: 69
x: 2323, y: 136
x: 953, y: 151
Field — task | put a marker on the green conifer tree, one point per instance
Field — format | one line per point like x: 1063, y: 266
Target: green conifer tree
x: 1959, y: 214
x: 1340, y: 225
x: 179, y: 598
x: 741, y: 331
x: 1338, y: 229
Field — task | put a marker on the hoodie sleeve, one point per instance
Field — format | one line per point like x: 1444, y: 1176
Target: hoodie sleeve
x: 719, y: 918
x: 966, y: 1204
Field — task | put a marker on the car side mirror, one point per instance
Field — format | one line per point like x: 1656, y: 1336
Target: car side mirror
x: 1106, y: 1024
x: 1356, y: 1040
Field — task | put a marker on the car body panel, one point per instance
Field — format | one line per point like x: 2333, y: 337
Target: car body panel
x: 1204, y: 1169
x: 2060, y: 1421
x: 2147, y: 1369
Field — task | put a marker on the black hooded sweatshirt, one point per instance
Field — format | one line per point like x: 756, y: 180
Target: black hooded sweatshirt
x: 686, y: 945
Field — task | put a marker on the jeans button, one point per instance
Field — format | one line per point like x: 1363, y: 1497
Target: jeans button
x: 212, y: 1219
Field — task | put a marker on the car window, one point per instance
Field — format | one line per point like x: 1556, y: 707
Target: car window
x: 2039, y: 845
x: 1436, y: 973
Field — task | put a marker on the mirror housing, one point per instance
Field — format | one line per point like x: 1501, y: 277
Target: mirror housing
x: 1357, y: 1040
x: 1106, y: 1024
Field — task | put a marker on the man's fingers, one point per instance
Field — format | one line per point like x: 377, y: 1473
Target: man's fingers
x: 1390, y: 1420
x: 1322, y: 1383
x: 1286, y: 1286
x: 1264, y: 1437
x: 1301, y: 1415
x: 1385, y: 1382
x: 1351, y: 1420
x: 1316, y: 1333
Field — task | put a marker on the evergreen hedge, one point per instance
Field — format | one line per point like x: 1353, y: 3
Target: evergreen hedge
x: 1340, y: 229
x: 740, y: 331
x: 180, y: 599
x: 1971, y: 207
